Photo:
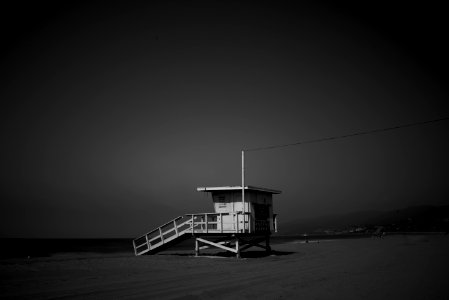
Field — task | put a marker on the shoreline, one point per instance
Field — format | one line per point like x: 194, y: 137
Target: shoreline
x: 23, y: 248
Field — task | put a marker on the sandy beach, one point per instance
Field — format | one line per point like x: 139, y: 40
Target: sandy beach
x: 393, y: 267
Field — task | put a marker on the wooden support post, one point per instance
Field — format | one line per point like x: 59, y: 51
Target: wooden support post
x: 205, y: 220
x: 237, y: 248
x: 267, y: 244
x: 197, y: 247
x: 275, y: 223
x: 193, y: 225
x: 221, y: 222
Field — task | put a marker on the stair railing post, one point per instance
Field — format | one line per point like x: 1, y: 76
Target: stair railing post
x: 193, y: 225
x: 176, y: 227
x: 221, y: 222
x: 148, y: 242
x: 160, y: 233
x: 207, y: 225
x: 135, y: 249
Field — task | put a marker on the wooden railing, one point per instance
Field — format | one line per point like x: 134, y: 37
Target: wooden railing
x: 261, y: 226
x: 198, y: 223
x: 161, y: 235
x: 220, y: 222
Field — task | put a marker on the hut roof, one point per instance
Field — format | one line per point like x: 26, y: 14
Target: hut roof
x: 237, y: 188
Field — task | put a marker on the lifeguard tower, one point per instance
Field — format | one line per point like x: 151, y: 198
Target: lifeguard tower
x: 235, y: 225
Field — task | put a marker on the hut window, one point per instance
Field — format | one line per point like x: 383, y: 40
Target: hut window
x: 221, y: 201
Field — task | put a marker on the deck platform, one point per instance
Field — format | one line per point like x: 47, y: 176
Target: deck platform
x: 228, y: 231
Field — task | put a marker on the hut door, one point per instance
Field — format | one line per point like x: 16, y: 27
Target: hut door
x: 261, y: 214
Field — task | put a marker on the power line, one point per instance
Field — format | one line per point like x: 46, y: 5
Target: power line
x: 347, y: 135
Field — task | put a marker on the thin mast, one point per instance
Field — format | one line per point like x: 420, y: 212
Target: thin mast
x: 243, y: 188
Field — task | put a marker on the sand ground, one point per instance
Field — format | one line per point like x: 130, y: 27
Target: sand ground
x: 394, y: 267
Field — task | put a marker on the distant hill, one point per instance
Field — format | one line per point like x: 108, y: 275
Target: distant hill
x: 414, y: 218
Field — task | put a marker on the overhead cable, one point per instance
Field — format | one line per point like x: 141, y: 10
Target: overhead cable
x: 347, y: 135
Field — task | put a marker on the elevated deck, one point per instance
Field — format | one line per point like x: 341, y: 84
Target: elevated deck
x: 204, y: 224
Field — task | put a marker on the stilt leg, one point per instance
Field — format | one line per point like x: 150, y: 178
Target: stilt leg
x: 237, y: 248
x: 197, y: 247
x: 267, y: 244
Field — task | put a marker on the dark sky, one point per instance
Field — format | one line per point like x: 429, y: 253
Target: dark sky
x: 113, y: 113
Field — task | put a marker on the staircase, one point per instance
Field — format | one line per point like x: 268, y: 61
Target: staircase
x: 164, y: 236
x: 183, y: 227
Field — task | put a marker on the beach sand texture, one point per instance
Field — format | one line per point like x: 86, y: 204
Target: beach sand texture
x: 394, y: 267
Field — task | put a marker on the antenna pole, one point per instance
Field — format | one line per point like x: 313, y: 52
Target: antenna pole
x: 243, y: 188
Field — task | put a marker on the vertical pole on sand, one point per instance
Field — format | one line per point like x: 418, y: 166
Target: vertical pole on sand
x: 197, y: 247
x: 237, y: 247
x: 243, y: 188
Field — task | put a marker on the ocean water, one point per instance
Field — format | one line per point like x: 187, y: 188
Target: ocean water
x: 24, y: 248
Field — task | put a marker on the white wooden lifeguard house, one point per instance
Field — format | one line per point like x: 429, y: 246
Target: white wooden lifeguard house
x: 236, y: 225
